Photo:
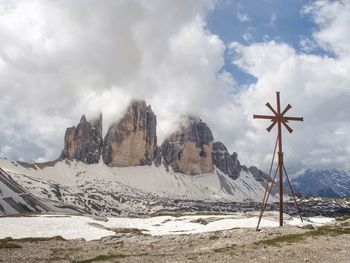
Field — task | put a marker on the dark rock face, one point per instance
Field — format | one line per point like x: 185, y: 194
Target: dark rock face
x: 133, y: 140
x: 189, y: 150
x: 227, y: 163
x: 258, y: 174
x: 158, y: 156
x: 84, y: 142
x: 15, y: 199
x: 331, y: 183
x: 263, y: 178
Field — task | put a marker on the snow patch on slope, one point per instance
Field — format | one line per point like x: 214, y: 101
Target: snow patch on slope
x: 72, y: 227
x: 110, y: 191
x: 15, y: 199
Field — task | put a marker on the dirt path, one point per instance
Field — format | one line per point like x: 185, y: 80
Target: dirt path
x: 237, y: 245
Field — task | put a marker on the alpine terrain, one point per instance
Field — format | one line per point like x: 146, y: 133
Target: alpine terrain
x: 128, y: 173
x: 323, y: 183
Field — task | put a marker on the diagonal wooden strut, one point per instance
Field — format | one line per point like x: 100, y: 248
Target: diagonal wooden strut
x: 269, y: 178
x: 265, y: 198
x: 291, y: 189
x: 263, y: 207
x: 280, y: 120
x: 268, y: 190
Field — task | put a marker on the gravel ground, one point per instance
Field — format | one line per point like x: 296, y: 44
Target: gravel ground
x: 236, y: 245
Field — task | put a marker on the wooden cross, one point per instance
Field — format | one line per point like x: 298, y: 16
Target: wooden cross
x: 280, y: 119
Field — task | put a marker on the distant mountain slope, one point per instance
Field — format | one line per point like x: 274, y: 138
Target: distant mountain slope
x: 323, y: 183
x: 100, y: 189
x: 15, y: 199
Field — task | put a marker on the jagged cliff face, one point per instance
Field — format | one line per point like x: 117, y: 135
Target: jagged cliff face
x: 133, y: 140
x: 226, y: 162
x: 84, y: 142
x: 257, y: 173
x: 189, y: 150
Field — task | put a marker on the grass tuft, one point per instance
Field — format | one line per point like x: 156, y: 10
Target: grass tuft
x: 8, y: 242
x: 291, y: 238
x: 38, y: 239
x: 135, y: 231
x: 225, y: 249
x: 330, y: 230
x: 213, y: 237
x: 281, y: 239
x: 9, y: 245
x: 100, y: 258
x: 201, y: 221
x: 343, y: 218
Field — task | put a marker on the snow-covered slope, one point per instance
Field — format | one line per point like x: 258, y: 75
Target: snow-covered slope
x: 14, y: 199
x: 72, y: 227
x: 99, y: 189
x: 323, y: 183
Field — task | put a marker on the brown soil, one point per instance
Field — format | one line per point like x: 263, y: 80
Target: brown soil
x: 237, y: 245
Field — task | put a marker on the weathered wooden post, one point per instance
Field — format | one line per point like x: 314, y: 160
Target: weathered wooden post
x: 280, y: 119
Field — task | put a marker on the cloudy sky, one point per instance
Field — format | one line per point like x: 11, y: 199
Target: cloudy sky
x: 220, y: 60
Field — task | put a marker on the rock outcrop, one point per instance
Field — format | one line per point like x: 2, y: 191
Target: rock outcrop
x: 258, y: 174
x: 263, y: 178
x: 189, y: 150
x: 226, y: 162
x: 132, y: 141
x: 158, y: 156
x: 84, y: 142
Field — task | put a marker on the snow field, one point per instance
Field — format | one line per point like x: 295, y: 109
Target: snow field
x: 73, y: 227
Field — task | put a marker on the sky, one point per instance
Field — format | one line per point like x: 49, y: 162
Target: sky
x: 219, y: 60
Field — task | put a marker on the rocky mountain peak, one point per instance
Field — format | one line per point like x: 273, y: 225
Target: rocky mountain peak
x: 83, y: 119
x: 97, y: 124
x: 331, y: 183
x: 226, y: 162
x: 189, y: 150
x: 132, y: 141
x: 258, y: 174
x: 84, y: 142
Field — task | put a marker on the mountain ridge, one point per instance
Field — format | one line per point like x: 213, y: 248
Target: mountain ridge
x: 131, y: 141
x: 323, y: 183
x: 117, y: 191
x: 126, y: 172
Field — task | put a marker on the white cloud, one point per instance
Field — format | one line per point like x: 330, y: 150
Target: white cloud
x: 61, y: 59
x: 333, y: 20
x: 242, y: 17
x: 248, y: 37
x: 308, y: 45
x: 318, y: 88
x: 273, y: 20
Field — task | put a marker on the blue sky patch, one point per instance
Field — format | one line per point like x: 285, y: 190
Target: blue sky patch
x: 249, y: 22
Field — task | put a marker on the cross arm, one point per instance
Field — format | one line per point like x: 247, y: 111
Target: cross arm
x: 267, y: 117
x: 271, y: 126
x: 270, y: 107
x: 287, y: 127
x: 294, y: 118
x: 286, y: 109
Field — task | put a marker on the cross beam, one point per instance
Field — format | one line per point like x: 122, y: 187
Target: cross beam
x: 279, y: 119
